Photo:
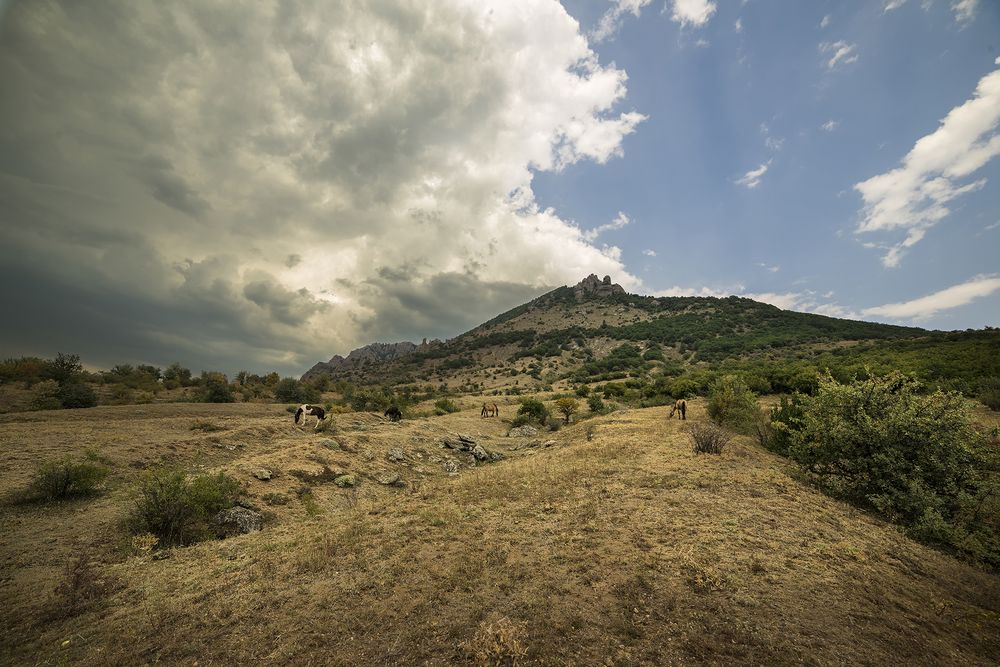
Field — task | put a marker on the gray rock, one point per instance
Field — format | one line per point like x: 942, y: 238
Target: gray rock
x: 239, y: 521
x: 466, y: 438
x: 480, y: 454
x: 263, y: 474
x: 457, y: 444
x: 548, y: 443
x: 450, y: 467
x: 396, y: 455
x: 389, y: 479
x: 522, y: 432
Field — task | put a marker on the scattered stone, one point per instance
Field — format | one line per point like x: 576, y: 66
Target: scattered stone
x: 480, y: 454
x: 396, y: 455
x: 346, y: 481
x: 389, y: 479
x: 548, y: 443
x: 162, y: 554
x: 239, y: 521
x: 522, y: 432
x: 466, y: 438
x: 263, y: 474
x: 458, y: 444
x: 450, y: 467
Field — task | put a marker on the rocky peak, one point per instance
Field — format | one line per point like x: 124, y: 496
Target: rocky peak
x: 592, y: 286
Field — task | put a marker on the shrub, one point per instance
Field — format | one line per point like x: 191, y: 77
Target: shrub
x: 989, y: 393
x: 732, y: 404
x: 534, y: 410
x: 498, y: 641
x: 583, y: 391
x: 568, y: 407
x: 58, y: 480
x: 215, y: 389
x: 786, y: 421
x: 914, y: 458
x: 708, y: 438
x: 46, y: 396
x: 290, y: 390
x: 595, y: 403
x: 178, y: 510
x: 77, y: 395
x: 445, y: 405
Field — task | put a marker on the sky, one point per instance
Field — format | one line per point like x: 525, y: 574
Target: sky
x: 264, y: 185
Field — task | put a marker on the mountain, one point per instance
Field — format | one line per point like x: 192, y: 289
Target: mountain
x: 595, y: 331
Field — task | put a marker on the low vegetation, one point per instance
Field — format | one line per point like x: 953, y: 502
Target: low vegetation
x: 67, y: 478
x: 178, y: 509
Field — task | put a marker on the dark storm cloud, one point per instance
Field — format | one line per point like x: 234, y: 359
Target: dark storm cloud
x: 236, y: 185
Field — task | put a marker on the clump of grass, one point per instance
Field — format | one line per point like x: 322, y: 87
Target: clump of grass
x: 206, y: 426
x: 498, y: 642
x: 81, y: 587
x: 326, y: 426
x: 178, y: 510
x: 67, y: 478
x: 444, y: 406
x: 708, y: 438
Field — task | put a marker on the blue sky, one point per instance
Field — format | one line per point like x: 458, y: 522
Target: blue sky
x: 722, y: 100
x: 264, y: 185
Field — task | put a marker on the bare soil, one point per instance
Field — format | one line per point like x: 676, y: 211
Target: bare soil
x: 607, y: 542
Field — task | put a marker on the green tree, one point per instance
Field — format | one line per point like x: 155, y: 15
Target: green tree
x: 732, y: 404
x: 568, y: 407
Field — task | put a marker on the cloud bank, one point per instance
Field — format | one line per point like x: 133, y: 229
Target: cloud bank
x: 229, y: 184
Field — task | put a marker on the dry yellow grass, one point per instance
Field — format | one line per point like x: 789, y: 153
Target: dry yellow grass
x: 621, y: 549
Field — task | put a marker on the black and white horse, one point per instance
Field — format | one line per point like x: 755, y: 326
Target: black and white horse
x: 393, y: 414
x: 309, y: 411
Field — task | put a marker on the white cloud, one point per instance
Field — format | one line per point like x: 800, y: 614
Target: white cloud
x: 695, y: 13
x: 992, y: 226
x: 649, y: 253
x: 738, y: 26
x: 893, y: 4
x: 825, y: 22
x: 769, y: 267
x: 611, y: 21
x: 843, y: 53
x: 751, y: 179
x: 620, y: 221
x: 830, y: 125
x: 382, y: 143
x: 965, y: 11
x: 952, y: 297
x: 804, y: 302
x: 914, y: 196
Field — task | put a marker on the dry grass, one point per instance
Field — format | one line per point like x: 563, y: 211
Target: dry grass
x: 615, y: 545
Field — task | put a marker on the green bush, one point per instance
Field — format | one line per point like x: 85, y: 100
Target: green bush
x: 786, y: 422
x: 989, y: 393
x: 595, y: 403
x: 533, y: 410
x: 290, y: 390
x: 914, y: 458
x: 179, y: 510
x: 732, y: 404
x: 445, y: 405
x: 215, y: 389
x: 46, y: 396
x: 77, y: 395
x: 59, y: 480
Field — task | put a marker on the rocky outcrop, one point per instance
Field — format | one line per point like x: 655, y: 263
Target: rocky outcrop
x: 592, y: 286
x: 375, y: 353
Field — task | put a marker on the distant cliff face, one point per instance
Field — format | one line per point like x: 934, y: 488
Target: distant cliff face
x: 592, y: 286
x: 369, y: 354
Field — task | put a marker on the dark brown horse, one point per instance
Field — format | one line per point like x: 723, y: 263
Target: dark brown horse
x: 490, y: 411
x: 679, y: 406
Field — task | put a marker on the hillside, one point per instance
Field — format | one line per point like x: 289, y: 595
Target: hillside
x: 569, y: 334
x: 607, y: 542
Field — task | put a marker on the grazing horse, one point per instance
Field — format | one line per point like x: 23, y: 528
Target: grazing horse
x: 393, y: 413
x: 490, y: 411
x: 310, y: 411
x: 680, y: 406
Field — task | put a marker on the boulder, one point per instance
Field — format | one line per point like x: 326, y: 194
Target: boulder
x: 522, y: 432
x: 263, y: 474
x: 239, y: 521
x: 480, y: 454
x: 450, y: 467
x: 396, y: 455
x: 458, y: 444
x: 389, y: 479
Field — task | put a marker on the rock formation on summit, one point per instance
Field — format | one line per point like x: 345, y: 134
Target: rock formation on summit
x: 593, y: 286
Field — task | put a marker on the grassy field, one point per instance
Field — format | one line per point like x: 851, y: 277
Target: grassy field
x: 607, y: 542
